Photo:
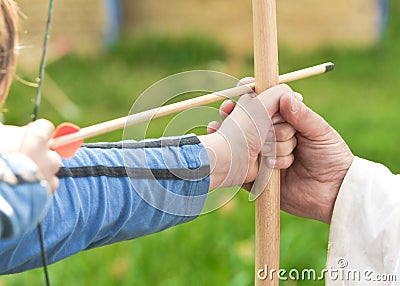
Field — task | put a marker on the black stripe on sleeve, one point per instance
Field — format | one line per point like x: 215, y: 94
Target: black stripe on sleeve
x: 135, y: 173
x: 166, y: 142
x: 6, y: 224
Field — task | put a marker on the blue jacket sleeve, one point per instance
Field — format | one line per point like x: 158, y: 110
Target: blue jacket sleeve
x: 112, y: 192
x: 23, y: 195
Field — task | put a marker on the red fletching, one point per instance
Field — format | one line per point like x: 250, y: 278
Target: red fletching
x: 67, y: 150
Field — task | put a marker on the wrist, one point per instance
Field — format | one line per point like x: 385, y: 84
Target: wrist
x: 220, y: 158
x: 328, y: 205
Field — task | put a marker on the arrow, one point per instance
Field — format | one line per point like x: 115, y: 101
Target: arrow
x: 68, y: 138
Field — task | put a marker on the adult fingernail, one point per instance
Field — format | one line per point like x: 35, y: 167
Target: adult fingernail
x: 294, y: 103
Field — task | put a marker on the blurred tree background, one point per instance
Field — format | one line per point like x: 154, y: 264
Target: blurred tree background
x: 360, y: 99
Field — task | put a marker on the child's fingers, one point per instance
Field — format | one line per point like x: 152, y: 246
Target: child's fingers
x: 54, y: 162
x: 284, y: 131
x: 270, y: 98
x: 228, y: 105
x: 226, y: 108
x: 213, y: 126
x: 52, y: 165
x: 245, y: 80
x: 42, y: 128
x: 35, y: 140
x: 54, y: 184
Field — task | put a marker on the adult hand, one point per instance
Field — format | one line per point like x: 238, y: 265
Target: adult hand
x: 322, y: 158
x: 310, y: 185
x: 285, y: 138
x: 32, y: 140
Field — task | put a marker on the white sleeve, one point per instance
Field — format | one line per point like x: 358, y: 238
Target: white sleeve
x: 364, y: 238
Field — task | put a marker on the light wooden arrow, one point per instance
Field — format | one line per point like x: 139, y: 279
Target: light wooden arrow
x: 69, y: 137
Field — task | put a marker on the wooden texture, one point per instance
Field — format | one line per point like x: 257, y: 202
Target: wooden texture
x: 133, y: 119
x: 268, y: 203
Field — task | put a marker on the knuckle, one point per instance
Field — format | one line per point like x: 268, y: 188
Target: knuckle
x: 55, y: 183
x: 40, y: 130
x: 39, y: 138
x: 285, y: 162
x: 48, y: 125
x: 293, y: 144
x: 279, y: 132
x: 246, y: 80
x: 284, y: 132
x: 54, y: 161
x: 286, y: 148
x: 285, y: 88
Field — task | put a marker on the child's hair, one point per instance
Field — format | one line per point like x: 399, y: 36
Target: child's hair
x: 8, y: 40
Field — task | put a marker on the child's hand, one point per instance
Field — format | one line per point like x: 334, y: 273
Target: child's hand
x: 242, y: 136
x: 284, y: 135
x: 33, y: 141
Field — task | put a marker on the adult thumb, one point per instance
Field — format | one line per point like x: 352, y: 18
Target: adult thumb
x: 301, y: 117
x: 271, y: 98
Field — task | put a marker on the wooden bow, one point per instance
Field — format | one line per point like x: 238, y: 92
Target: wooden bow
x: 268, y: 203
x: 35, y: 115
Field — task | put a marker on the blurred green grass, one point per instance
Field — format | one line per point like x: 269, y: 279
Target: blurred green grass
x: 360, y: 99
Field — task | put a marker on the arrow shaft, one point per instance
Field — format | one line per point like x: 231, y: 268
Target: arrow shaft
x: 119, y: 123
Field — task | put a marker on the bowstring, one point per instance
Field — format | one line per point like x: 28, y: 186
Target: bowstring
x: 35, y: 115
x: 43, y: 62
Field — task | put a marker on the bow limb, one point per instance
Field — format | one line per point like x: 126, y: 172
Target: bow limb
x: 268, y: 203
x: 35, y: 115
